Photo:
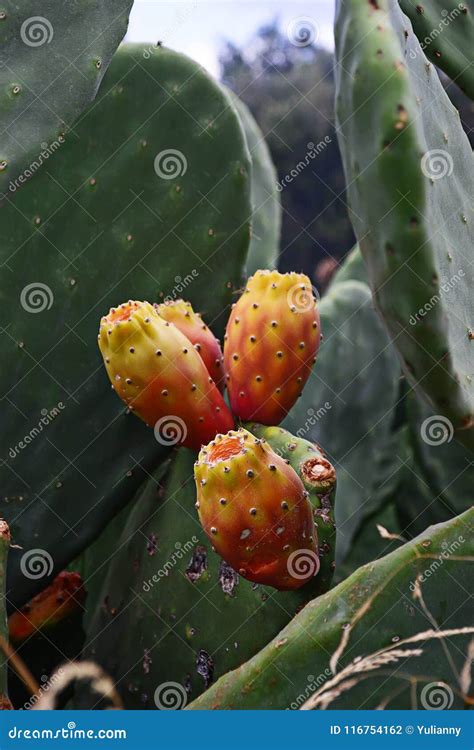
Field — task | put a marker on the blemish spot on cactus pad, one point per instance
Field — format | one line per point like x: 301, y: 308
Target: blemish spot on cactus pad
x: 205, y: 666
x: 198, y: 563
x: 228, y: 578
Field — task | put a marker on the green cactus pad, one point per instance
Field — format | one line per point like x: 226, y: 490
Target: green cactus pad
x: 104, y: 222
x: 352, y: 269
x: 443, y: 469
x: 372, y: 609
x: 171, y: 601
x: 409, y: 169
x: 52, y: 61
x: 266, y: 219
x: 322, y: 494
x: 348, y: 404
x: 445, y: 29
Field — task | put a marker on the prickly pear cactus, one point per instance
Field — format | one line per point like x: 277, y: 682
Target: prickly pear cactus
x: 131, y: 203
x: 415, y: 224
x: 445, y: 29
x: 375, y: 609
x: 266, y: 220
x: 355, y: 382
x: 52, y: 61
x: 319, y: 479
x: 183, y: 615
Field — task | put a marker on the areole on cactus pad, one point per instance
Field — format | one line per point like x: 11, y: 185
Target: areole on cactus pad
x: 156, y: 370
x: 271, y: 341
x: 254, y: 508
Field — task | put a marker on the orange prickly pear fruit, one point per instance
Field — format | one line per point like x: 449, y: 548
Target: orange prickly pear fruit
x: 254, y: 508
x: 62, y: 598
x: 158, y: 373
x: 271, y: 342
x: 182, y: 315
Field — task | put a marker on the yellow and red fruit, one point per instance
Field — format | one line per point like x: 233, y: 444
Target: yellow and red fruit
x: 158, y: 373
x: 182, y: 315
x: 255, y: 510
x: 62, y: 598
x: 271, y: 342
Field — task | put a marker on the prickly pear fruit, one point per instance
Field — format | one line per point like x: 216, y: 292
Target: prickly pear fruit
x: 319, y: 477
x: 182, y: 315
x: 271, y: 341
x: 63, y: 597
x: 155, y: 369
x: 255, y: 509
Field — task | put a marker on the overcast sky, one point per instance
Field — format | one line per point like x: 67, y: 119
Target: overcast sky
x: 199, y: 27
